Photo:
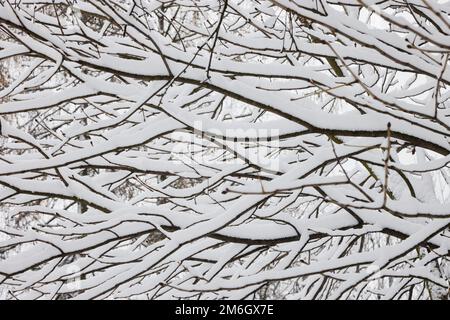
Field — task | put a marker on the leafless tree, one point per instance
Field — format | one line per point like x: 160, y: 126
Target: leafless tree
x: 217, y: 149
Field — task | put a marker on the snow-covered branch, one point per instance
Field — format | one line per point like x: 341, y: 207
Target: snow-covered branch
x: 225, y: 149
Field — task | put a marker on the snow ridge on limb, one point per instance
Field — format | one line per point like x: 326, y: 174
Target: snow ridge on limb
x: 223, y: 149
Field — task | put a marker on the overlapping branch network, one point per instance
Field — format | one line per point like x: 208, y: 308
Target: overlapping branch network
x: 225, y: 149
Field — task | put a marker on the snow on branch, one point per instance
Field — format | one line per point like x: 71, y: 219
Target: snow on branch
x: 224, y: 149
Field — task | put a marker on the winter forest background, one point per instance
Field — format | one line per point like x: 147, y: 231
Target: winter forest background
x: 224, y: 149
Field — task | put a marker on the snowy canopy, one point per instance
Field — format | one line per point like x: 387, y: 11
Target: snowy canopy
x: 230, y: 149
